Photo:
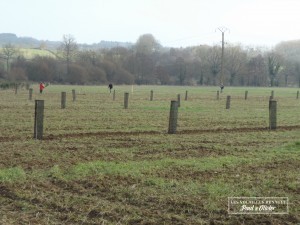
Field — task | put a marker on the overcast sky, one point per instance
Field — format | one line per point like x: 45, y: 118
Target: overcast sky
x: 177, y: 23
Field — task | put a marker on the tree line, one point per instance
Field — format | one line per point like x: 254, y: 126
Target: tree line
x: 148, y: 62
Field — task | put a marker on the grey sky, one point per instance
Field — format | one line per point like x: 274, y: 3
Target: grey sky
x: 173, y: 22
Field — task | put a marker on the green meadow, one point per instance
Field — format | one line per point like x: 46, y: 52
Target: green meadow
x: 99, y: 163
x: 30, y: 53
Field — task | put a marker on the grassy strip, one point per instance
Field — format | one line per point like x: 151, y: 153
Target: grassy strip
x: 137, y: 168
x: 12, y: 174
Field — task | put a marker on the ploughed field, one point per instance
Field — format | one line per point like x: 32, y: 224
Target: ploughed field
x: 99, y: 163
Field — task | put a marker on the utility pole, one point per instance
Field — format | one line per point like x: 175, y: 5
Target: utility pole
x: 223, y: 30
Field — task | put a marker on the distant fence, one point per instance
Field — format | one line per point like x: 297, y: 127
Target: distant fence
x: 173, y: 116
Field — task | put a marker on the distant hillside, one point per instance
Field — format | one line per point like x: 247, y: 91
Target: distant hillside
x: 26, y: 42
x: 107, y: 44
x: 29, y: 42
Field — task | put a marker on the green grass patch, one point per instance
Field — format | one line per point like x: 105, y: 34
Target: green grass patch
x: 12, y: 174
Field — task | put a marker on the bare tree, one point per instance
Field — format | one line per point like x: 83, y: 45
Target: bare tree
x: 180, y: 66
x: 213, y: 60
x: 147, y: 44
x: 274, y: 65
x: 8, y: 52
x: 145, y: 58
x: 236, y: 59
x: 256, y: 71
x: 69, y: 49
